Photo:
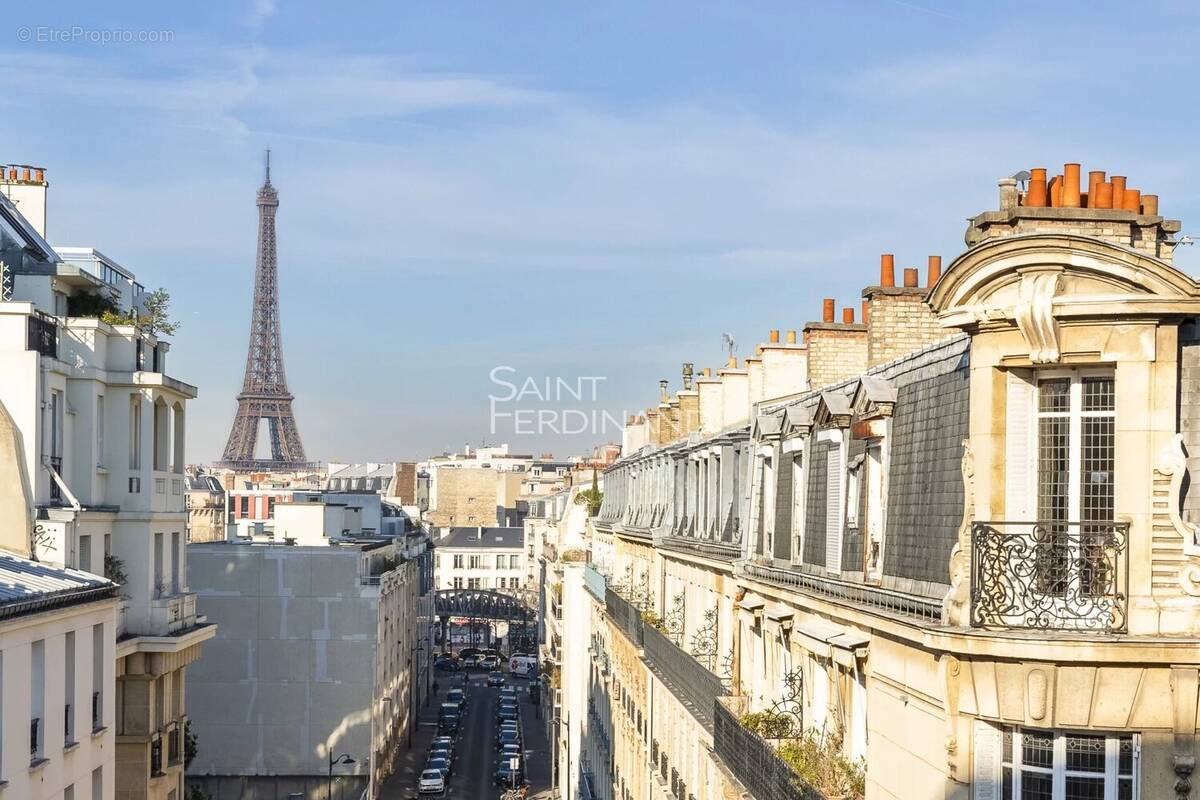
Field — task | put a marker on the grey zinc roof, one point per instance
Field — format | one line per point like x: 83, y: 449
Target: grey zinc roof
x: 27, y: 586
x: 490, y: 538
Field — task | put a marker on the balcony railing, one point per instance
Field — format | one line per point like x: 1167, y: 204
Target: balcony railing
x: 755, y: 763
x: 727, y: 551
x: 42, y: 335
x: 627, y: 617
x: 173, y: 753
x: 97, y: 723
x: 692, y: 684
x: 55, y: 489
x: 1050, y: 575
x: 860, y: 594
x: 35, y: 748
x: 156, y: 758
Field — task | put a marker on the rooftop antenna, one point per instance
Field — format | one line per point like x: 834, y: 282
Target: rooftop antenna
x: 728, y: 343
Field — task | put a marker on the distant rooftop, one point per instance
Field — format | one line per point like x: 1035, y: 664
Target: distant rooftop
x: 484, y: 538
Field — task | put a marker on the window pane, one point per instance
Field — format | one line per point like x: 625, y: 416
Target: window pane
x: 1098, y: 394
x: 1037, y: 786
x: 1037, y: 749
x: 1085, y: 788
x: 1126, y: 749
x: 1085, y: 753
x: 1096, y: 482
x: 1006, y: 754
x: 1125, y: 789
x: 1054, y: 395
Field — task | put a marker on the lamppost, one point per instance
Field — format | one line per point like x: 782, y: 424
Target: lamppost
x: 344, y: 758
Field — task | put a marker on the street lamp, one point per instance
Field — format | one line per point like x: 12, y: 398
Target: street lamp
x: 344, y: 758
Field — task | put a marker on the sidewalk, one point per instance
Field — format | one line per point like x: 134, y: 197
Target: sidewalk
x: 402, y: 783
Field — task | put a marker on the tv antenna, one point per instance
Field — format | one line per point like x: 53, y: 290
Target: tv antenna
x: 728, y: 343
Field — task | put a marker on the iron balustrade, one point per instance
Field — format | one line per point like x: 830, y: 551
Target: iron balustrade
x: 55, y: 489
x: 727, y: 551
x: 42, y: 334
x: 627, y: 617
x: 860, y: 594
x: 35, y: 749
x: 755, y: 763
x: 1049, y: 575
x: 95, y: 711
x: 68, y: 728
x: 693, y: 685
x: 156, y: 758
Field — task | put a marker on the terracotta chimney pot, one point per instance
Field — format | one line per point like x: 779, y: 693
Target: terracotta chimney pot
x: 732, y: 363
x: 774, y: 337
x: 1104, y: 195
x: 911, y: 277
x: 1150, y: 205
x: 1036, y: 196
x: 848, y: 316
x: 706, y: 372
x: 12, y: 173
x: 1055, y: 190
x: 25, y: 176
x: 866, y: 311
x: 1133, y: 200
x: 887, y: 270
x: 1095, y: 178
x: 40, y: 175
x: 791, y: 337
x: 1070, y: 190
x: 935, y: 269
x: 827, y: 310
x: 1118, y: 189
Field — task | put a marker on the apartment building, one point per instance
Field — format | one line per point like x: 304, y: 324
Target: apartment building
x: 324, y: 650
x: 486, y: 486
x: 57, y: 657
x: 204, y: 497
x: 102, y: 426
x: 958, y: 561
x: 480, y: 558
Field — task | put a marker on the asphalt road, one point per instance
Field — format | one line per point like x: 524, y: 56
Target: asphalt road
x: 475, y: 755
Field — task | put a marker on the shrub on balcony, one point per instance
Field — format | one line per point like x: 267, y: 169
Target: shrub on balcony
x: 114, y: 569
x: 654, y: 621
x: 818, y: 761
x: 768, y: 724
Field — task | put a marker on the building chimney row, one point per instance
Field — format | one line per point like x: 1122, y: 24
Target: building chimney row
x: 887, y: 270
x: 911, y: 277
x: 935, y: 270
x: 827, y: 310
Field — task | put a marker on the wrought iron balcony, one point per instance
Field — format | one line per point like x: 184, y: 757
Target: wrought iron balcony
x: 693, y: 685
x: 1050, y: 575
x: 625, y: 614
x: 56, y: 463
x: 755, y: 763
x: 42, y: 334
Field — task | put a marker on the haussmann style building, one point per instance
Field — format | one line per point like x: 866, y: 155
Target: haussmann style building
x: 947, y: 550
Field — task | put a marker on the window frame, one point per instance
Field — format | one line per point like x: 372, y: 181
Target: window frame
x: 1058, y: 770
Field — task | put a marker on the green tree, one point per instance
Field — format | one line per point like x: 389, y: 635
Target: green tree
x: 156, y: 318
x: 592, y: 497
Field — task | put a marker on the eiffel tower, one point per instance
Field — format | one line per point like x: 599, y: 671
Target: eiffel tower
x: 264, y: 392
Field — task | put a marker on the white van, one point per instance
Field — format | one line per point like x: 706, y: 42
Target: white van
x: 520, y: 665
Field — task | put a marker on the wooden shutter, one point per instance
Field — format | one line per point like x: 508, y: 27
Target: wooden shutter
x: 986, y: 781
x: 1020, y: 466
x: 783, y: 507
x: 833, y: 508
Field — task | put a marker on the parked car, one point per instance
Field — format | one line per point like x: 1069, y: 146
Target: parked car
x: 510, y: 750
x: 444, y: 740
x: 442, y: 751
x: 507, y: 776
x: 432, y: 782
x: 509, y: 730
x: 470, y: 662
x: 507, y: 737
x: 508, y: 693
x: 456, y: 697
x: 446, y: 664
x: 440, y: 764
x: 448, y: 719
x: 495, y: 679
x: 489, y: 662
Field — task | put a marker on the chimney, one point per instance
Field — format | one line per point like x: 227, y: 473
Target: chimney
x: 1070, y: 192
x: 848, y: 315
x: 827, y: 310
x: 911, y: 278
x: 791, y: 337
x: 887, y: 270
x: 935, y: 270
x: 866, y: 312
x: 836, y: 351
x: 1008, y: 193
x: 687, y: 375
x: 1036, y: 196
x: 27, y: 193
x: 1102, y: 212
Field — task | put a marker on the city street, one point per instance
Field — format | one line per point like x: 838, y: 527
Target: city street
x: 474, y: 752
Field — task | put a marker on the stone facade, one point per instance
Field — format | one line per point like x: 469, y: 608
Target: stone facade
x: 465, y: 496
x: 900, y: 322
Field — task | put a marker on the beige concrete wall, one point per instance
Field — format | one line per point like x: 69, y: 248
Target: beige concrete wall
x: 466, y: 496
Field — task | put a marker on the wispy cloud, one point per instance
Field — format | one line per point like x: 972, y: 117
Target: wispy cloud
x: 260, y: 12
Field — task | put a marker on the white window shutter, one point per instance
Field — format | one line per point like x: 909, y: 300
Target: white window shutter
x: 1020, y: 499
x: 986, y: 783
x: 833, y: 510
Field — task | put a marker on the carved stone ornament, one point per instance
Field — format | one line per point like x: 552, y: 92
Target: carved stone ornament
x: 1034, y: 314
x: 1172, y: 463
x: 956, y: 605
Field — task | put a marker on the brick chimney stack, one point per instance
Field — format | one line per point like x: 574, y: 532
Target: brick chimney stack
x: 836, y: 350
x: 26, y: 187
x: 899, y: 321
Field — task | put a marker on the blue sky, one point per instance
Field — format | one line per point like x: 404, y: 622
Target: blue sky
x: 570, y: 189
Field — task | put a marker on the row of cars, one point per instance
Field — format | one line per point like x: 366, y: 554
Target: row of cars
x: 440, y: 762
x: 468, y: 658
x: 510, y: 766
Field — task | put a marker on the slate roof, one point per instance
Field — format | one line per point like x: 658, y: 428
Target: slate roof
x: 28, y: 586
x: 491, y: 538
